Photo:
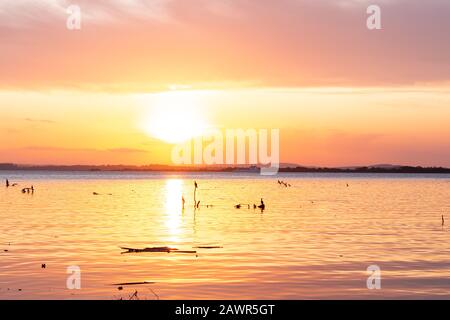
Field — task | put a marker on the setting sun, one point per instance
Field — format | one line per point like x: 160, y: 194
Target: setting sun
x: 175, y: 117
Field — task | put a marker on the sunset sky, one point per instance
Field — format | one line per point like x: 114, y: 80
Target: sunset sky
x: 114, y: 91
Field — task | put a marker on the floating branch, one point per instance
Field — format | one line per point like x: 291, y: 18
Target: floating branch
x: 155, y: 250
x: 133, y: 283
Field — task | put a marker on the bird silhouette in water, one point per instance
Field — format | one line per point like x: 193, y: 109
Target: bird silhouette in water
x: 27, y: 190
x: 7, y: 183
x: 238, y: 206
x: 195, y: 184
x: 262, y: 206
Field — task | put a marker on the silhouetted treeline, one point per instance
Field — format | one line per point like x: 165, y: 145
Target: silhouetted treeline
x: 167, y: 168
x: 399, y: 169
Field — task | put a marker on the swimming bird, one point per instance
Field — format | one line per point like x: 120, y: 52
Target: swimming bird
x: 238, y: 206
x: 26, y: 190
x: 262, y: 206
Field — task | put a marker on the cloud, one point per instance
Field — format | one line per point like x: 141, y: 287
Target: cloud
x: 149, y: 45
x: 62, y: 155
x: 127, y: 150
x: 60, y: 149
x: 26, y: 13
x: 40, y: 121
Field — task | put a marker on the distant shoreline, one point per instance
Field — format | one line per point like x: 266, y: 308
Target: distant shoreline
x: 166, y: 168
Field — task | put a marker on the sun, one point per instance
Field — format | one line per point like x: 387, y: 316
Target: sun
x: 175, y: 117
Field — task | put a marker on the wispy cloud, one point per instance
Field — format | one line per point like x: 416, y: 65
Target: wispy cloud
x: 149, y: 45
x: 40, y: 121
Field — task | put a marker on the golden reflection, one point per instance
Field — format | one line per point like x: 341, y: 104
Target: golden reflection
x: 174, y: 206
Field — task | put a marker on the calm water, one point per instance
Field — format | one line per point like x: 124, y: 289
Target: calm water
x: 314, y: 240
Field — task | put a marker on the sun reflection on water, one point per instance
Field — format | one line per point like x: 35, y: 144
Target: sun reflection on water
x: 174, y: 207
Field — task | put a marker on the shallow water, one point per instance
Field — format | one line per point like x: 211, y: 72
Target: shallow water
x: 314, y: 240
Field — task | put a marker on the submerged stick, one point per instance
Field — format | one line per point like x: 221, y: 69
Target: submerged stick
x: 208, y: 247
x: 156, y: 250
x: 133, y: 283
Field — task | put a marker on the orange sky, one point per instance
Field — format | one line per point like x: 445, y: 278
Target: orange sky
x: 339, y: 93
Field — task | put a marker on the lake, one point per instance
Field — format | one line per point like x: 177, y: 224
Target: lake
x: 315, y: 240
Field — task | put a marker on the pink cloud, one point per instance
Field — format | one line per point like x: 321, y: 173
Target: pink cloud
x: 148, y: 45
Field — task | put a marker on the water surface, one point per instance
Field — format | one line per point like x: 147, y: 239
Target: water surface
x: 315, y: 240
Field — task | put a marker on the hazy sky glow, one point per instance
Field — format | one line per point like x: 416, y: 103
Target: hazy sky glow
x: 341, y: 94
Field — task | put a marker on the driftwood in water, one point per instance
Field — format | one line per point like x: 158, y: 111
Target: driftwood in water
x: 133, y: 283
x: 208, y: 247
x: 157, y: 249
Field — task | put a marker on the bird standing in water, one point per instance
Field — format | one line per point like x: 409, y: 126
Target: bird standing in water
x: 7, y: 183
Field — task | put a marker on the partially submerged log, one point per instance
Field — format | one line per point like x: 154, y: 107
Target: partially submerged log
x: 157, y: 249
x: 133, y: 283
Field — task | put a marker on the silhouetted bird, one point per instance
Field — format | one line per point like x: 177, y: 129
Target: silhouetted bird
x: 262, y: 206
x: 238, y: 206
x: 7, y: 183
x: 195, y: 184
